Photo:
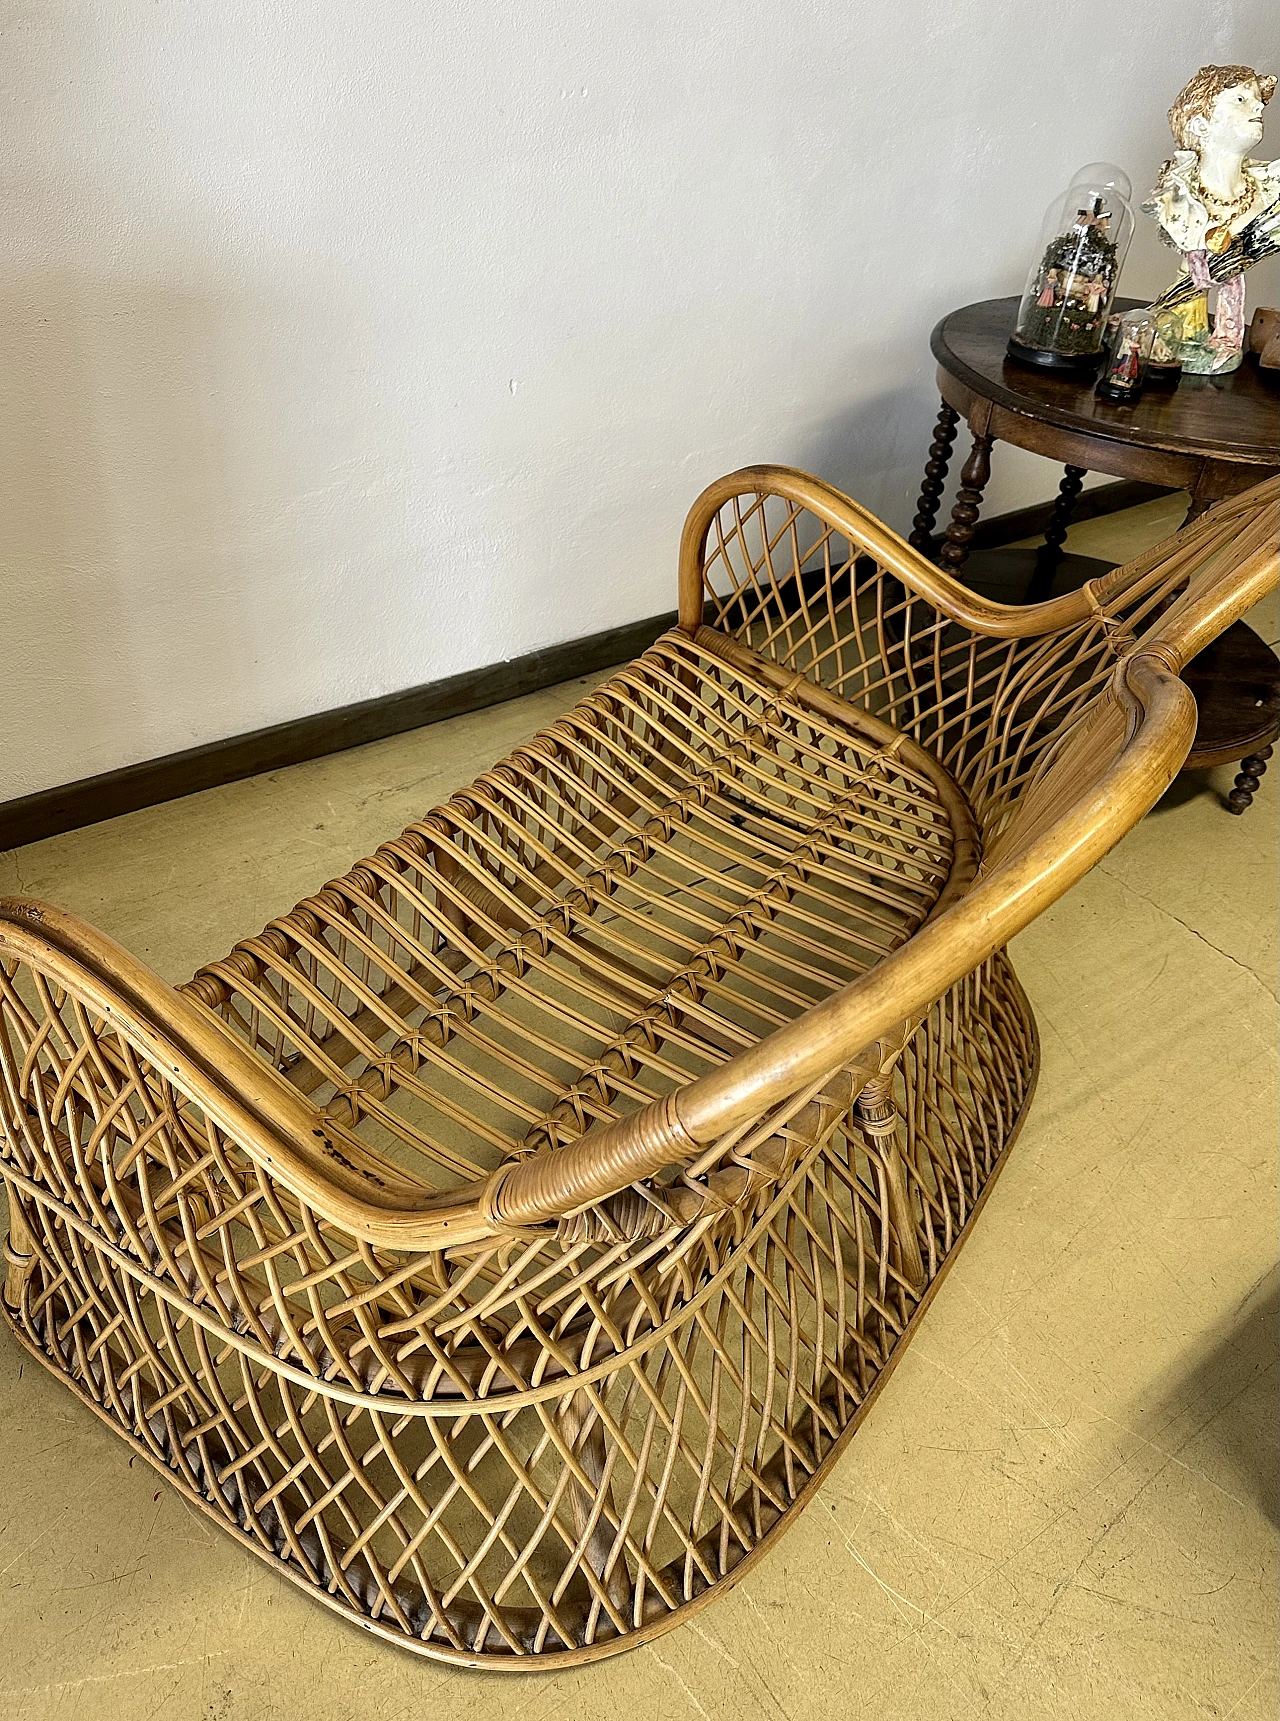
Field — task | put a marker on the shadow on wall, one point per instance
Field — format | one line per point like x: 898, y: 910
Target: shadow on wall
x: 897, y: 425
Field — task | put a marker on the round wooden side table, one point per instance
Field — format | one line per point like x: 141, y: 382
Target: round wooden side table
x: 1212, y: 436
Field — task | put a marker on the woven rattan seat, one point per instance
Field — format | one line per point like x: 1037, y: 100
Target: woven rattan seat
x: 689, y: 859
x: 505, y: 1241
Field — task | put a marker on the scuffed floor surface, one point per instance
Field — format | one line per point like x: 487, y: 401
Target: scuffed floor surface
x: 1065, y: 1503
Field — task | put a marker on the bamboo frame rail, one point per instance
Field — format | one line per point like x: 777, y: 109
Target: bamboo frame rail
x: 504, y: 1242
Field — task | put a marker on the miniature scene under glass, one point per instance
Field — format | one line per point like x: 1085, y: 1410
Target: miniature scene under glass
x: 1062, y: 318
x: 1164, y: 368
x: 1125, y: 371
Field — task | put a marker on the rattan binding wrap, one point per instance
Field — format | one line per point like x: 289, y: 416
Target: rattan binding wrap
x: 504, y: 1242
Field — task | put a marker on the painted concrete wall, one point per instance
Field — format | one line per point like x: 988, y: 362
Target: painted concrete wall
x: 346, y: 346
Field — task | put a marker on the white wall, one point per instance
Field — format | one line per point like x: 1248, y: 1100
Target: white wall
x: 349, y: 345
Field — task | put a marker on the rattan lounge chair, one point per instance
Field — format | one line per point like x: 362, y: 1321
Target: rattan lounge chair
x: 505, y: 1242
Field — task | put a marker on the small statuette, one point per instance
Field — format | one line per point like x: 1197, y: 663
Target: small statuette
x: 1126, y: 368
x: 1214, y: 203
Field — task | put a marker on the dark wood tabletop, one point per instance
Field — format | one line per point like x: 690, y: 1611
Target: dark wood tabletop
x: 1234, y: 417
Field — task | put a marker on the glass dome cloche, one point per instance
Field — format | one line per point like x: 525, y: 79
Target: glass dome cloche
x: 1083, y: 240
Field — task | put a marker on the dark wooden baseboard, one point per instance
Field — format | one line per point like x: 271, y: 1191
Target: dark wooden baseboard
x: 49, y: 812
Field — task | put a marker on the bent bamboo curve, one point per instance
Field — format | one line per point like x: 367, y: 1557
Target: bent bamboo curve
x: 504, y: 1242
x: 326, y: 1168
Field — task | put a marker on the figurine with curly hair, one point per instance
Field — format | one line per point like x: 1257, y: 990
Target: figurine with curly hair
x: 1206, y: 193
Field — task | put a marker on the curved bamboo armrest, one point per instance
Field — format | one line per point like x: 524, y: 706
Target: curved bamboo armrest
x: 1251, y: 513
x: 1132, y: 750
x: 1124, y: 758
x: 327, y: 1168
x: 1210, y: 605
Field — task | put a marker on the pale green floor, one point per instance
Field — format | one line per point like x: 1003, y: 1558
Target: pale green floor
x: 1065, y: 1504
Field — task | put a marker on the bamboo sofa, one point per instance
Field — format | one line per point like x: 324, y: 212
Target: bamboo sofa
x: 504, y: 1243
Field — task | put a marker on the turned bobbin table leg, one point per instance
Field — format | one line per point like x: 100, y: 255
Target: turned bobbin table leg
x: 964, y: 513
x: 1050, y: 552
x: 1246, y: 784
x: 935, y: 478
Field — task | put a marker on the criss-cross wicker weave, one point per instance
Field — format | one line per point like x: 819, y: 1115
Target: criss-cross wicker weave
x: 504, y: 1242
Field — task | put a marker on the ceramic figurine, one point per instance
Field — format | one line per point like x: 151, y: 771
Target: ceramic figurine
x: 1208, y: 194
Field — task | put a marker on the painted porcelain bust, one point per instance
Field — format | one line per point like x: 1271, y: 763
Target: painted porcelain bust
x: 1207, y: 191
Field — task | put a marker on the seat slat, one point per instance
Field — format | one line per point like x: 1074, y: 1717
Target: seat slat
x: 689, y: 859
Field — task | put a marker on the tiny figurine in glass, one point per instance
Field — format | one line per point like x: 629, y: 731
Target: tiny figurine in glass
x: 1164, y: 367
x: 1063, y: 314
x: 1126, y: 367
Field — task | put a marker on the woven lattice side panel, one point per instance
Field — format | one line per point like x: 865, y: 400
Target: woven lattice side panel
x: 627, y: 1475
x: 791, y: 584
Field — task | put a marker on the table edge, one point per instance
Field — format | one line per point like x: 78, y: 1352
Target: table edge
x: 1045, y: 413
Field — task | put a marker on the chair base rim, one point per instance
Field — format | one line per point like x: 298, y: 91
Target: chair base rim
x: 557, y: 1659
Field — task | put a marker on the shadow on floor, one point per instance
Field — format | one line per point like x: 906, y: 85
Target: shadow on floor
x: 1227, y: 1402
x: 1190, y: 786
x: 1212, y: 784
